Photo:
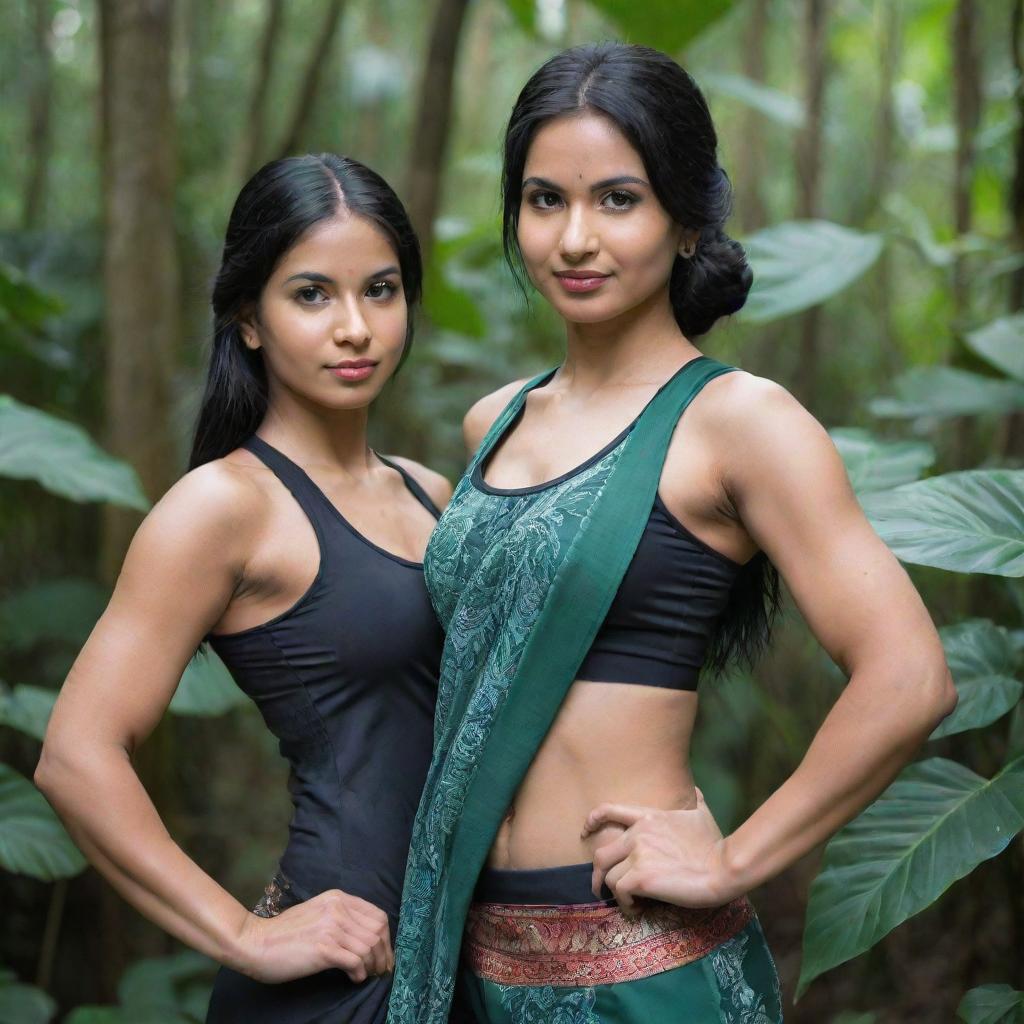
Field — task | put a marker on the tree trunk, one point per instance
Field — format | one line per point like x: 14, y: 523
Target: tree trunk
x: 40, y: 105
x: 141, y: 286
x: 306, y: 100
x: 808, y: 165
x: 1013, y: 444
x: 967, y: 109
x: 254, y: 139
x: 750, y: 152
x: 432, y: 120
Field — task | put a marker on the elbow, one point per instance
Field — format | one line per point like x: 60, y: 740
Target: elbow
x: 942, y: 696
x: 48, y: 770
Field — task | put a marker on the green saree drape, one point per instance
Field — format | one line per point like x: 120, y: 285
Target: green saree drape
x: 522, y: 588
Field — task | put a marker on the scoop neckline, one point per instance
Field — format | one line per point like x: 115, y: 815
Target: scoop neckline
x: 477, y: 476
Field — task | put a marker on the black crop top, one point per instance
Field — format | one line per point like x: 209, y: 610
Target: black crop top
x: 657, y: 631
x: 671, y: 599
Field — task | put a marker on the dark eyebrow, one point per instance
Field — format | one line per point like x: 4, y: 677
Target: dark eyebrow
x: 311, y: 275
x: 622, y: 179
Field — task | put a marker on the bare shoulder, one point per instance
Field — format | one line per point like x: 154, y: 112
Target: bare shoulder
x: 763, y: 437
x: 437, y: 486
x: 485, y: 411
x: 213, y: 510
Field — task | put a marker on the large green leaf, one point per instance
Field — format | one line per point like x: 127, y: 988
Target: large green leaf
x: 668, y: 25
x: 154, y: 988
x: 931, y: 827
x: 32, y: 839
x: 773, y: 103
x: 97, y: 1015
x: 799, y: 264
x: 943, y: 391
x: 63, y: 610
x: 992, y: 1004
x: 206, y: 688
x: 26, y: 708
x: 63, y: 458
x: 1002, y: 344
x: 22, y: 302
x: 964, y: 522
x: 23, y: 1004
x: 875, y: 465
x: 981, y: 659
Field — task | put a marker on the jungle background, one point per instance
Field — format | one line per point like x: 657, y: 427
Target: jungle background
x: 877, y: 153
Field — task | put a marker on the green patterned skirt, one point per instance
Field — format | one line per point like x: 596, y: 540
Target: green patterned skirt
x: 539, y: 950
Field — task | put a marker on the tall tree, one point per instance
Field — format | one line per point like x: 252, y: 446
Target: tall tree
x: 750, y: 152
x: 306, y: 99
x: 967, y: 109
x: 809, y: 176
x: 1014, y: 443
x: 140, y: 271
x: 254, y: 137
x: 40, y: 105
x: 432, y: 120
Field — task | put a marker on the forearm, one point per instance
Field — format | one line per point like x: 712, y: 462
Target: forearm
x: 110, y: 816
x: 872, y: 731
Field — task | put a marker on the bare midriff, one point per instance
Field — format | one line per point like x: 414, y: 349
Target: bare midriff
x: 611, y: 743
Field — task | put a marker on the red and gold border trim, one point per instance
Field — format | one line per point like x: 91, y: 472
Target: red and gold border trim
x: 592, y: 943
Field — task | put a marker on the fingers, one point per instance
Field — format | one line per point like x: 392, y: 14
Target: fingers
x: 621, y: 880
x: 612, y: 814
x: 361, y: 932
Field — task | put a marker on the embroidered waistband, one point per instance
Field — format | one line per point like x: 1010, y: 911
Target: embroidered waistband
x: 592, y: 943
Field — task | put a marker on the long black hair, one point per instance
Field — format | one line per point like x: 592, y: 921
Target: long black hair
x: 661, y: 111
x: 278, y: 204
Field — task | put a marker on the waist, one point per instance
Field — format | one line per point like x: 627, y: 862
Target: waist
x: 545, y: 927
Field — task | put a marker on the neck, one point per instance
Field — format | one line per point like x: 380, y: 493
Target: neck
x: 309, y: 434
x: 642, y: 345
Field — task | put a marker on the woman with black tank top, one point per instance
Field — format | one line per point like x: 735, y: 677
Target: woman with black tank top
x: 617, y: 532
x: 295, y: 551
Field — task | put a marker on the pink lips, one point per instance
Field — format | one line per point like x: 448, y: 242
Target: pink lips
x: 353, y: 369
x: 577, y: 281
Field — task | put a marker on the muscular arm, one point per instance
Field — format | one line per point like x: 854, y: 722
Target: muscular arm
x: 178, y: 577
x: 789, y: 488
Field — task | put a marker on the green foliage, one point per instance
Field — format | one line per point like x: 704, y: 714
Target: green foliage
x: 932, y: 826
x: 940, y: 392
x: 875, y: 465
x: 62, y: 457
x: 776, y: 105
x: 32, y: 841
x: 164, y: 990
x: 666, y: 24
x: 62, y: 611
x: 23, y: 1004
x: 965, y: 522
x: 800, y: 264
x: 206, y: 688
x: 982, y: 661
x: 992, y: 1004
x: 26, y: 708
x: 1002, y: 344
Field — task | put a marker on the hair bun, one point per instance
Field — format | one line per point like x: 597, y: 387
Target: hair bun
x: 711, y: 284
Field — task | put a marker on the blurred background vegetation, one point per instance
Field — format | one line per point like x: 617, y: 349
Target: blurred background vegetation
x: 877, y: 151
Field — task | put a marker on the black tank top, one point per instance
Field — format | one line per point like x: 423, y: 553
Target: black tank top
x: 346, y: 679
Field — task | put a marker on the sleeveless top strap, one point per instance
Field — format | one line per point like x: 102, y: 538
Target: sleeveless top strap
x: 309, y: 497
x: 410, y: 481
x: 506, y: 415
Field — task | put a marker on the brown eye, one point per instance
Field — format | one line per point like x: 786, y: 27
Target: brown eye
x: 619, y: 200
x: 381, y: 290
x: 545, y: 200
x: 310, y: 295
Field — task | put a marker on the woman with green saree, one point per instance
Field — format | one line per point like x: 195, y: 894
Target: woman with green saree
x: 609, y: 541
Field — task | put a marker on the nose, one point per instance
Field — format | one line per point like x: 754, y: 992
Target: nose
x: 351, y: 327
x: 578, y: 241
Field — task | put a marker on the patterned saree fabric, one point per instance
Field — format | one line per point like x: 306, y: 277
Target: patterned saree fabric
x: 521, y: 582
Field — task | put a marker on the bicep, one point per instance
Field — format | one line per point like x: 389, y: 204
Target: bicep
x: 178, y: 577
x: 791, y: 490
